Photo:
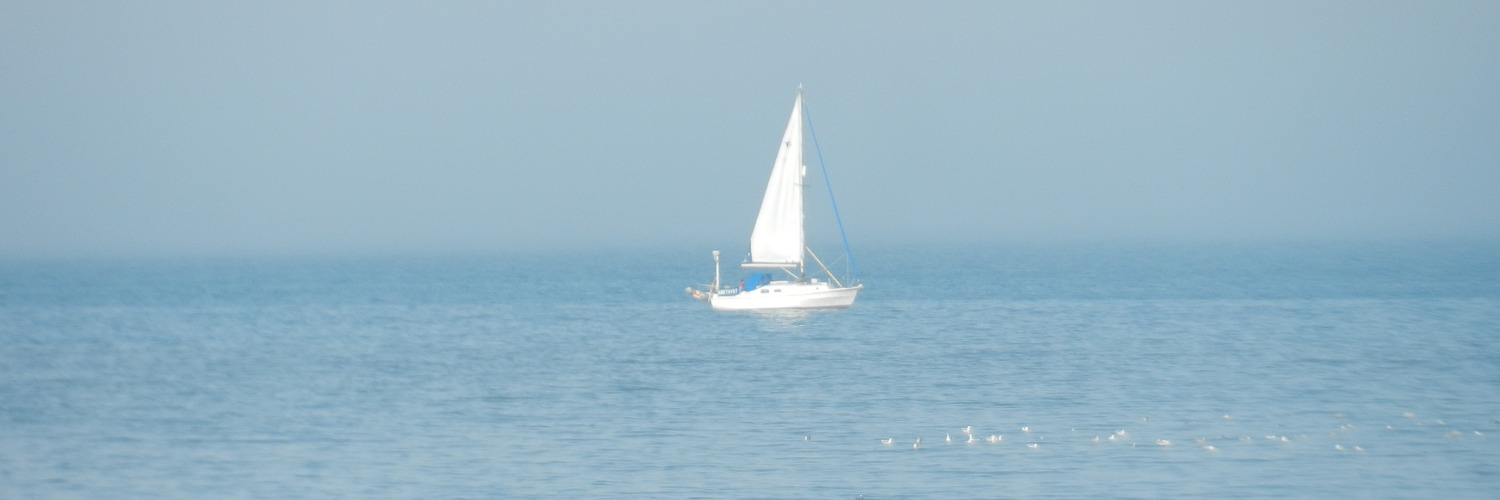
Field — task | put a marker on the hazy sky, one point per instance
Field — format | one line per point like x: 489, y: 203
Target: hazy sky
x: 267, y: 127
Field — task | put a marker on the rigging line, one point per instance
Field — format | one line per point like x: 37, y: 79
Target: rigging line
x: 822, y: 167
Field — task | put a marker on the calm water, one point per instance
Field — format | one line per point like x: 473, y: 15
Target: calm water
x: 1310, y: 371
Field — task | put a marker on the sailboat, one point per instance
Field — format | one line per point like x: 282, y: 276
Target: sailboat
x: 778, y: 250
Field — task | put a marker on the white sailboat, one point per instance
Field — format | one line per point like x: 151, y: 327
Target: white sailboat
x: 778, y: 250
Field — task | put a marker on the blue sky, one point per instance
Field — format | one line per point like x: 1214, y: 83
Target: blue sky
x: 174, y: 128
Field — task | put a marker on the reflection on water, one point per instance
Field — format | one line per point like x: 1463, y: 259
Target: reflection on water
x: 784, y: 320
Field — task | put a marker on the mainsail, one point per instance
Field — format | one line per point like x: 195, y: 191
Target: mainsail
x: 776, y: 240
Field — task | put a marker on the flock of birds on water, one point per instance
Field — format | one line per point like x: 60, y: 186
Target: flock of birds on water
x: 1334, y: 439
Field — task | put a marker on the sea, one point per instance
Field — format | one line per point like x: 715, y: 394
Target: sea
x: 1016, y: 370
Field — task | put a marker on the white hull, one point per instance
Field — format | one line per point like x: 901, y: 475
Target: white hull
x: 786, y: 295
